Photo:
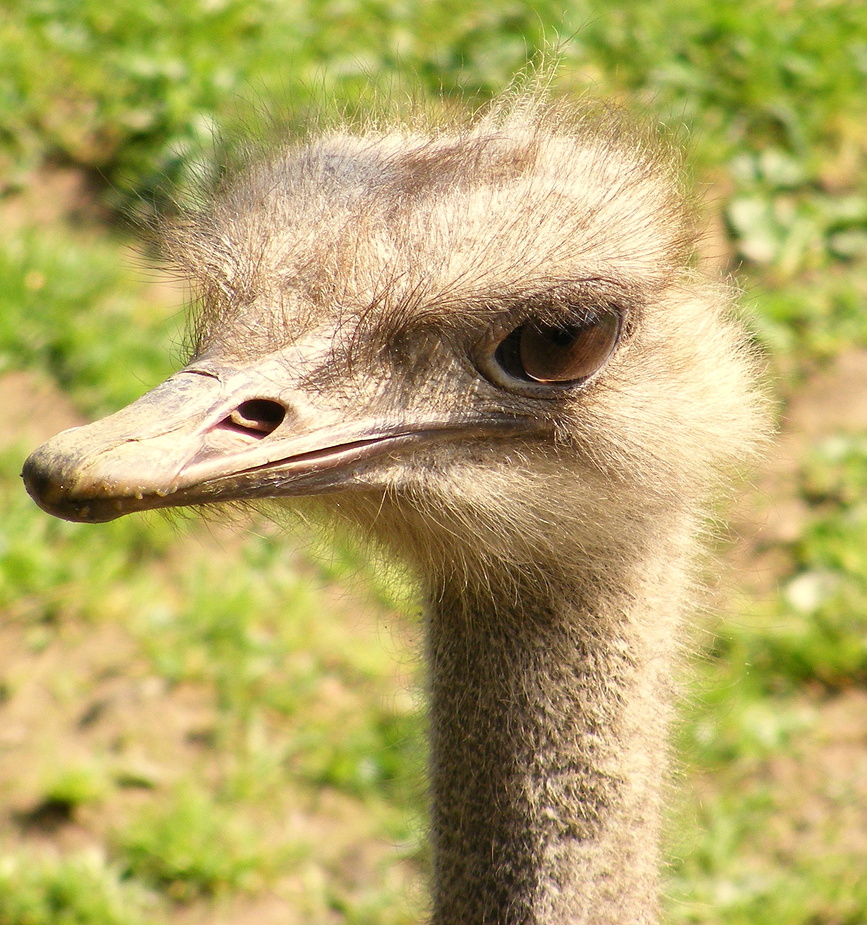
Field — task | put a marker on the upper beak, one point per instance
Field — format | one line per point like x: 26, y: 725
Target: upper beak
x: 210, y: 434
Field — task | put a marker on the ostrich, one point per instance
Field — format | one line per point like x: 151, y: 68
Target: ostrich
x: 483, y: 345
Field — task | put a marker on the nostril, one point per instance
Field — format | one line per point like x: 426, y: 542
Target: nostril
x: 257, y: 417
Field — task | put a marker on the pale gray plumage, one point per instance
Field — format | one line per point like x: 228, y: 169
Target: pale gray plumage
x: 371, y: 302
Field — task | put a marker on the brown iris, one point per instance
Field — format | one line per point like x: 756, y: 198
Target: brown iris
x: 559, y: 354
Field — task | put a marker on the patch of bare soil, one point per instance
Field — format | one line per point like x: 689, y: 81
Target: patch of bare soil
x: 823, y: 782
x: 820, y: 783
x: 87, y: 702
x: 53, y: 195
x: 33, y: 410
x: 833, y: 401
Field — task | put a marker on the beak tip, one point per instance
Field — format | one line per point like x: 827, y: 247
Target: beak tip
x: 49, y: 481
x: 40, y: 478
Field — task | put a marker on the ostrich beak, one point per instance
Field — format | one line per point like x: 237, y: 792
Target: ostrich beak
x: 213, y: 433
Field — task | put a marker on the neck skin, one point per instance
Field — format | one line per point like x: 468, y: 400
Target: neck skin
x: 549, y: 716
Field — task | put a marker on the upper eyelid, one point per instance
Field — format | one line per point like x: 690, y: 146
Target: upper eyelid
x: 484, y: 322
x: 556, y: 315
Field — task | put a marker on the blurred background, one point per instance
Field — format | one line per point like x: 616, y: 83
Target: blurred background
x: 209, y: 723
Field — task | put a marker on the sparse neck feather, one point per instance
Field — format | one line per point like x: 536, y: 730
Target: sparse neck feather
x: 549, y: 718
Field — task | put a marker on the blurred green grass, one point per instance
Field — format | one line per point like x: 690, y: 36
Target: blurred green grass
x: 304, y: 714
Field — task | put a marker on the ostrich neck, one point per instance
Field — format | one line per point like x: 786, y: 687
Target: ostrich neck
x: 548, y: 749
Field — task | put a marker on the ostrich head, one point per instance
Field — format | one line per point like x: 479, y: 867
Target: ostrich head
x: 479, y: 344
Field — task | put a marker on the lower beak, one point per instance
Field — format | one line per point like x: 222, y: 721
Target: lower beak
x: 204, y: 436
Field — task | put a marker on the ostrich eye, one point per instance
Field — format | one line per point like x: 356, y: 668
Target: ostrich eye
x: 564, y: 354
